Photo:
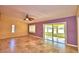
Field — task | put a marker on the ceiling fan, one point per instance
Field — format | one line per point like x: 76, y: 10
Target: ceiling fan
x: 28, y: 18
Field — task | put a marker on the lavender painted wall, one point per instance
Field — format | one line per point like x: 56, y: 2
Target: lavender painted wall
x: 71, y: 28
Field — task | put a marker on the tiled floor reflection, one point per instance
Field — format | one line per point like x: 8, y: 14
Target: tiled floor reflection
x: 55, y: 39
x: 61, y: 47
x: 30, y: 44
x: 12, y: 44
x: 55, y: 44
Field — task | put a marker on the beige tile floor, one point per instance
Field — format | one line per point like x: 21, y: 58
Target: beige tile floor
x: 30, y: 44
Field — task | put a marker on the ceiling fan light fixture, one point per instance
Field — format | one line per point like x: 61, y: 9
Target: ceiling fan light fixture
x: 27, y: 19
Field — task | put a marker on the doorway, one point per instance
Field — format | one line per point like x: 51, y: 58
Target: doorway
x: 55, y: 34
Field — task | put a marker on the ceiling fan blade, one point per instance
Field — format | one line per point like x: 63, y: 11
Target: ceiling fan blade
x: 26, y: 17
x: 30, y: 19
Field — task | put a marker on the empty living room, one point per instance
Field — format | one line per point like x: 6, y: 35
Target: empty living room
x: 39, y: 28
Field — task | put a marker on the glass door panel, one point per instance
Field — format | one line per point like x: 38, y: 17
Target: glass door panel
x: 61, y: 40
x: 48, y: 31
x: 61, y: 33
x: 55, y: 39
x: 61, y: 28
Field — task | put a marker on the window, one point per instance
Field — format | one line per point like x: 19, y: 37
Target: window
x: 49, y: 29
x: 54, y: 30
x: 46, y: 28
x: 32, y: 28
x: 61, y: 29
x: 13, y: 29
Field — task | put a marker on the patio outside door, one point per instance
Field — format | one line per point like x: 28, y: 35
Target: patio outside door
x: 55, y: 33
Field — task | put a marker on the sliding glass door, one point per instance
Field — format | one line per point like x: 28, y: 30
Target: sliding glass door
x: 55, y: 33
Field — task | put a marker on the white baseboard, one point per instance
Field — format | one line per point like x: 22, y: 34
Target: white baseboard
x: 13, y: 36
x: 72, y: 45
x: 37, y: 36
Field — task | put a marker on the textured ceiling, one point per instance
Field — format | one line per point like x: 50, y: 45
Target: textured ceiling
x: 38, y: 12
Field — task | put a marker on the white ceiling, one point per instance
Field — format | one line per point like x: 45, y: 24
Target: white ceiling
x: 39, y: 12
